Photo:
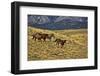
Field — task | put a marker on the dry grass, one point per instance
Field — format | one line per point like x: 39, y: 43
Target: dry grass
x: 48, y: 50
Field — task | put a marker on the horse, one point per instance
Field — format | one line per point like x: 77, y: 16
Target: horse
x: 36, y: 36
x: 60, y: 42
x: 50, y: 36
x: 42, y: 36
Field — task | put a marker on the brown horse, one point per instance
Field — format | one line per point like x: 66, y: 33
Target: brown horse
x: 42, y: 36
x: 50, y: 36
x: 60, y: 42
x: 36, y: 36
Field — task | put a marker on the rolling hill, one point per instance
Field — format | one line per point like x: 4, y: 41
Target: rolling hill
x: 48, y: 50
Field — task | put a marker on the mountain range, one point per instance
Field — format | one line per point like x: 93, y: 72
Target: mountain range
x: 57, y: 22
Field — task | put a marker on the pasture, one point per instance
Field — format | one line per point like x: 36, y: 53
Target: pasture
x: 74, y: 48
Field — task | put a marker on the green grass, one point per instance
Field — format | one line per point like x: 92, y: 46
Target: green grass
x: 48, y: 50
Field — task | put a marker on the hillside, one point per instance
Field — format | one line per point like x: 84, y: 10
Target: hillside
x: 76, y: 48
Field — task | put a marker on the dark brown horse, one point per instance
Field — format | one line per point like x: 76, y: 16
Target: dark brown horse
x: 60, y: 42
x: 36, y: 36
x: 50, y: 36
x: 42, y: 36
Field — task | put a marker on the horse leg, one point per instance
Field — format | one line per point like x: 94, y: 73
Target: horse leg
x: 50, y: 39
x: 62, y: 45
x: 35, y: 38
x: 58, y: 44
x: 39, y: 39
x: 32, y: 37
x: 44, y: 39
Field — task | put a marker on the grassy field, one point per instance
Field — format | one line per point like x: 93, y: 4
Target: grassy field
x: 48, y: 50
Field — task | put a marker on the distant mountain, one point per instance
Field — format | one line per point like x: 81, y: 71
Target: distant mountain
x: 57, y: 22
x: 38, y: 19
x: 71, y: 19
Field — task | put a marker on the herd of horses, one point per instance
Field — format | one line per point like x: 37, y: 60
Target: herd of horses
x: 44, y: 37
